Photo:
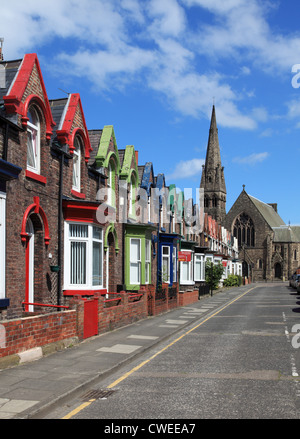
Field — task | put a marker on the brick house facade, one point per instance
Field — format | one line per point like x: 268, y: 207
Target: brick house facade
x: 82, y: 218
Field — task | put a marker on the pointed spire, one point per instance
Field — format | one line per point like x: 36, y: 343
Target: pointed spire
x: 212, y: 179
x: 213, y: 156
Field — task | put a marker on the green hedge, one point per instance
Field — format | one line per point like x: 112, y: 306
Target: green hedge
x: 233, y: 280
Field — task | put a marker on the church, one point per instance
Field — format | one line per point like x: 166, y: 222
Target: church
x: 268, y: 248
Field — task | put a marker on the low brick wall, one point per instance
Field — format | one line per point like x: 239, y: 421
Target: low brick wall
x: 128, y: 310
x: 111, y: 314
x: 19, y: 335
x: 188, y: 297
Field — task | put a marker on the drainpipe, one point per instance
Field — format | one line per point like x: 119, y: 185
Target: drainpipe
x: 61, y: 151
x: 59, y: 258
x: 5, y: 146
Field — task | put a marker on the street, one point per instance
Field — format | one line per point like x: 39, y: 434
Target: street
x: 241, y: 361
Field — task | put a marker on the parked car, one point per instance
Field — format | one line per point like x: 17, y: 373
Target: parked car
x: 298, y: 287
x: 291, y: 279
x: 295, y: 281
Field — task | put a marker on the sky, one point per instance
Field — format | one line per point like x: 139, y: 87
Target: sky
x: 154, y: 68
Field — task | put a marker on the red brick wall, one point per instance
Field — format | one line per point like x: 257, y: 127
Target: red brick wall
x: 31, y: 332
x: 188, y: 297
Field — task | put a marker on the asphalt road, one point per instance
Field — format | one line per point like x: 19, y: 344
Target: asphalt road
x: 240, y: 362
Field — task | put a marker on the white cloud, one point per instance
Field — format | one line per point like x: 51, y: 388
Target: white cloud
x: 252, y: 159
x: 118, y: 42
x: 186, y: 169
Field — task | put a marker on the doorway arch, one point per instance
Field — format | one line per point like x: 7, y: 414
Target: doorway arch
x: 278, y: 270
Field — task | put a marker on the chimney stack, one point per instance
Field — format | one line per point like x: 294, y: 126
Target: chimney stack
x: 137, y: 157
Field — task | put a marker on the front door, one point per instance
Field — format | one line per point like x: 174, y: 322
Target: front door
x: 278, y: 271
x: 29, y: 290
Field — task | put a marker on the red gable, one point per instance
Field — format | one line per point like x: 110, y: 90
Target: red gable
x: 18, y: 102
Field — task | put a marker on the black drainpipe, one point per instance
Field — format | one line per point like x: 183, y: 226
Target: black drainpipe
x: 5, y: 147
x: 59, y: 258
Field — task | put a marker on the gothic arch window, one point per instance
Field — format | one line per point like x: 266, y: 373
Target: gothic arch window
x: 76, y: 183
x: 33, y: 140
x: 244, y: 231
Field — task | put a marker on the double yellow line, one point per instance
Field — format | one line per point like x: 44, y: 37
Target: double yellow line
x: 135, y: 369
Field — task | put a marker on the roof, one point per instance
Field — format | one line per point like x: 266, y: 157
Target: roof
x: 57, y: 109
x: 95, y: 137
x: 268, y: 213
x: 287, y: 234
x: 11, y: 69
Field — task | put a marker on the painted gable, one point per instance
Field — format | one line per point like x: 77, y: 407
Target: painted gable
x: 107, y: 148
x: 26, y: 87
x: 73, y: 122
x: 129, y: 165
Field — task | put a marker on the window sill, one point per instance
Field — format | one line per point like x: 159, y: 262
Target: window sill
x: 187, y: 282
x: 77, y: 194
x: 87, y: 292
x: 36, y: 177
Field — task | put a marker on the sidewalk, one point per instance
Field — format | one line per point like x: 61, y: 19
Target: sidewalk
x: 32, y: 388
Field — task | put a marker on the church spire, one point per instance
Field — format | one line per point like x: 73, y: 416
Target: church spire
x: 212, y: 179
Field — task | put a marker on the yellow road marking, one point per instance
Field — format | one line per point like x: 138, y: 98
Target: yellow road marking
x: 127, y: 374
x: 78, y: 409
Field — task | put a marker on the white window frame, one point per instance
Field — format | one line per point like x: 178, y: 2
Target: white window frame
x: 109, y: 184
x: 2, y: 243
x: 147, y: 261
x: 174, y: 256
x: 190, y: 271
x: 168, y: 258
x: 34, y: 139
x: 76, y: 178
x: 89, y: 240
x: 199, y: 259
x: 135, y: 262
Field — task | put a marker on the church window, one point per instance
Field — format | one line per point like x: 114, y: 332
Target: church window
x: 244, y: 231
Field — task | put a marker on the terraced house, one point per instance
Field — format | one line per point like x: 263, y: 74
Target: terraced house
x: 88, y: 235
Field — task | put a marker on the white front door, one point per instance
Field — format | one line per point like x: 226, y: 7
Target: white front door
x: 30, y: 263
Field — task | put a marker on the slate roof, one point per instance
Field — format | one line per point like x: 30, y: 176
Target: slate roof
x: 268, y: 212
x: 287, y: 234
x: 95, y: 137
x: 57, y: 107
x: 11, y: 70
x: 141, y: 171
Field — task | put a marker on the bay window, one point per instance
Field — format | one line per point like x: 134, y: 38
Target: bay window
x: 166, y: 263
x: 186, y: 270
x: 83, y: 256
x: 174, y: 264
x: 147, y: 261
x: 199, y: 268
x: 135, y: 261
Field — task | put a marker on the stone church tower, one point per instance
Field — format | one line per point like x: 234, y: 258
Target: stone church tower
x: 212, y: 179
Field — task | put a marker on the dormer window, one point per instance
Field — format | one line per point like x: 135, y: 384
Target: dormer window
x: 33, y: 141
x: 76, y: 165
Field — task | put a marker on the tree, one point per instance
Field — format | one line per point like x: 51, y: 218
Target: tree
x: 213, y: 274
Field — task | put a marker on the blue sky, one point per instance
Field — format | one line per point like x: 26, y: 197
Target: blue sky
x: 153, y: 69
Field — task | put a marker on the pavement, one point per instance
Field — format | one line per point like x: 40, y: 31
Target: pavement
x: 39, y: 384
